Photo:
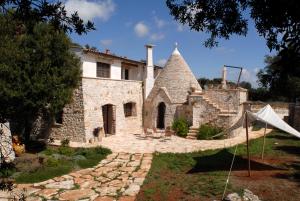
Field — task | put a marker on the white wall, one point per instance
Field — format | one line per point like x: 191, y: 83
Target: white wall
x: 115, y: 70
x: 89, y: 68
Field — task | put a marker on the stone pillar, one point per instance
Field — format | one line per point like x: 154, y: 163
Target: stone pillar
x: 149, y: 76
x: 6, y: 148
x: 224, y: 75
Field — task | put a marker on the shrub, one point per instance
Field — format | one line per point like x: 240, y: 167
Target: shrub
x: 65, y: 142
x: 207, y: 131
x: 181, y: 127
x: 52, y: 162
x: 66, y: 151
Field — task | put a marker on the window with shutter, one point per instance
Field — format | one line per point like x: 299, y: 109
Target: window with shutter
x: 103, y: 70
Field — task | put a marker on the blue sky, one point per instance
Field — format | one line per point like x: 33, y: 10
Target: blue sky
x: 125, y: 26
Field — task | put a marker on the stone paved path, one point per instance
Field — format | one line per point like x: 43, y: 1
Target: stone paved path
x: 121, y: 174
x: 118, y: 177
x: 139, y: 144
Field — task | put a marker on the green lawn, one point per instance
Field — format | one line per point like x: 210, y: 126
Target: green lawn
x: 53, y: 162
x: 202, y: 175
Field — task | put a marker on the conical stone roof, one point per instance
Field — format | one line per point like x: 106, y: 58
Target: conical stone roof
x: 177, y: 78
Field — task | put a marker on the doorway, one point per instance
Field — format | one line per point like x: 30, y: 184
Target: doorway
x: 109, y: 118
x: 161, y: 109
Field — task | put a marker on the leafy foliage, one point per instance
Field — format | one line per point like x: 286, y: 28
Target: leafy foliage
x: 37, y: 71
x: 281, y: 76
x: 57, y: 161
x: 31, y: 12
x: 207, y: 131
x: 181, y: 127
x: 205, y: 82
x: 277, y: 21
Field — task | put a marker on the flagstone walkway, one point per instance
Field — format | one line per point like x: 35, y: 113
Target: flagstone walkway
x: 137, y: 144
x: 118, y: 177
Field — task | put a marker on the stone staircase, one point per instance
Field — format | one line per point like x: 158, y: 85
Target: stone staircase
x: 192, y: 134
x: 215, y: 112
x: 214, y: 115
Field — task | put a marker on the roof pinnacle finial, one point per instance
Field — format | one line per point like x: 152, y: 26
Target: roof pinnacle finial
x: 176, y: 49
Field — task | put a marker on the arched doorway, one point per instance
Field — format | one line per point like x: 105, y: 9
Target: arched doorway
x: 109, y: 118
x: 161, y: 110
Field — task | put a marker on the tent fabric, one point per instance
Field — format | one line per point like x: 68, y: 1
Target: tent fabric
x: 269, y: 116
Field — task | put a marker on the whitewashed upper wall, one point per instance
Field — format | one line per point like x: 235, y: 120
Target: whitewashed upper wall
x: 89, y: 68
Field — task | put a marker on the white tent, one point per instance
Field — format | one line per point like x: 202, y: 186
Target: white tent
x: 269, y: 116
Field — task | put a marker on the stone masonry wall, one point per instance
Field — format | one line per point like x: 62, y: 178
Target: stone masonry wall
x: 100, y: 91
x: 72, y: 127
x: 227, y: 98
x: 151, y: 110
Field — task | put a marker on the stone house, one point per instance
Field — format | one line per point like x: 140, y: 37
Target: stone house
x: 121, y: 95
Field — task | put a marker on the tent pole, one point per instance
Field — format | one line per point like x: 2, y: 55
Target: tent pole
x: 247, y: 136
x: 263, y: 149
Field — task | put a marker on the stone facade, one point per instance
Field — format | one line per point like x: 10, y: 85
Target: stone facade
x: 100, y: 102
x: 99, y: 91
x: 72, y: 126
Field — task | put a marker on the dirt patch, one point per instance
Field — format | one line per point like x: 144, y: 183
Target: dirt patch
x: 280, y: 184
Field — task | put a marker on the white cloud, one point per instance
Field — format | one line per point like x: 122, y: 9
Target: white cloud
x: 89, y: 10
x: 157, y: 36
x: 162, y: 62
x: 141, y: 29
x: 159, y: 22
x: 249, y: 76
x: 106, y: 42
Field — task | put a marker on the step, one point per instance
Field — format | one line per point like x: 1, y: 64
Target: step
x: 228, y: 111
x: 191, y: 137
x: 193, y: 129
x: 192, y: 134
x: 226, y: 115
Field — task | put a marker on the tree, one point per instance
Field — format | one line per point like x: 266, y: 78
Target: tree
x: 281, y: 76
x: 37, y: 70
x: 246, y: 85
x: 30, y: 12
x: 277, y: 21
x: 214, y: 82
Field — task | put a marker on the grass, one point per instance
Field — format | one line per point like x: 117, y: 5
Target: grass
x: 53, y: 162
x: 202, y: 175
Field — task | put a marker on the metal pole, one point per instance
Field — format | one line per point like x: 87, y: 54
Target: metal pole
x: 247, y: 136
x: 238, y: 82
x: 263, y: 150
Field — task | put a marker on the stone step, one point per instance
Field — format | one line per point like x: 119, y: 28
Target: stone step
x: 192, y: 134
x: 226, y: 115
x: 193, y: 129
x: 191, y: 137
x: 228, y: 111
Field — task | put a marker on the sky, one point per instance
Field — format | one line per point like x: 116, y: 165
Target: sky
x: 125, y: 26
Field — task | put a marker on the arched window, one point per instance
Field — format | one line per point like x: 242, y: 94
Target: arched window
x: 130, y: 109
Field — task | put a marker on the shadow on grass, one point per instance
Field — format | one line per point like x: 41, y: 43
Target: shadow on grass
x: 221, y: 162
x: 294, y: 150
x: 282, y: 136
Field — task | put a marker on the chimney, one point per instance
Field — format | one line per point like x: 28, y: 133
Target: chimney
x: 107, y: 51
x: 224, y: 75
x: 149, y: 75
